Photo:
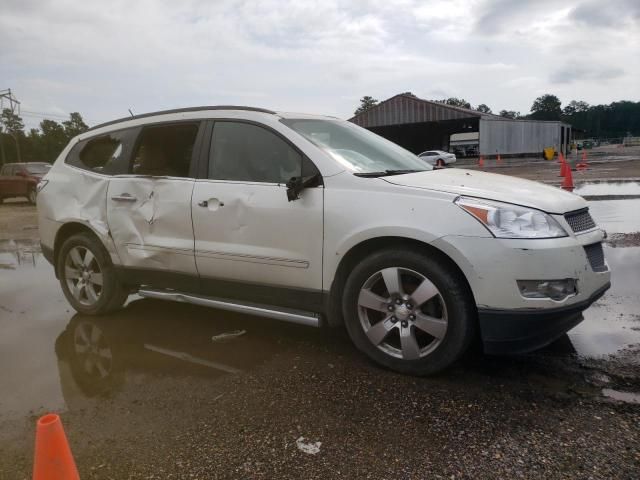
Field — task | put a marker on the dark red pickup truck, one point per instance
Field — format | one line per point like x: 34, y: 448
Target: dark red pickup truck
x: 21, y: 180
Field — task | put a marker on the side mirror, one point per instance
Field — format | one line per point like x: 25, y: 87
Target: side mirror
x: 294, y: 187
x: 296, y: 184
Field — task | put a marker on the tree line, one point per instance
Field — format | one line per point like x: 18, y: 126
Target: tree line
x: 618, y: 119
x: 42, y: 144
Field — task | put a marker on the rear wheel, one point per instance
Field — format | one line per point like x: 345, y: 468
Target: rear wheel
x: 87, y: 276
x: 408, y: 311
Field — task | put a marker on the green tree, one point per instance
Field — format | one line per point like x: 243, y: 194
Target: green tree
x: 457, y: 102
x: 509, y: 114
x: 53, y: 140
x: 483, y: 108
x: 12, y: 124
x: 366, y: 103
x: 546, y: 107
x: 74, y: 126
x: 574, y: 107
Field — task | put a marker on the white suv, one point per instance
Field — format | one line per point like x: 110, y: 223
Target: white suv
x: 317, y: 221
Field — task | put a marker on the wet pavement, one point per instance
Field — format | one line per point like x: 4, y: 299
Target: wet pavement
x: 168, y: 390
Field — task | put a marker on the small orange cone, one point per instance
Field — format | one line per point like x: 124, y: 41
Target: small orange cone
x: 561, y: 158
x: 481, y: 162
x: 567, y: 183
x: 499, y: 160
x: 52, y: 458
x: 583, y: 164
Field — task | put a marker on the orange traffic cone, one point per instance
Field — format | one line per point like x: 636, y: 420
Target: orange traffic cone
x: 481, y: 162
x: 583, y: 164
x: 499, y: 160
x: 52, y: 458
x: 567, y: 183
x: 561, y: 158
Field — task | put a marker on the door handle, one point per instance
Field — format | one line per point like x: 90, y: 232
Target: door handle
x: 125, y: 197
x: 215, y: 203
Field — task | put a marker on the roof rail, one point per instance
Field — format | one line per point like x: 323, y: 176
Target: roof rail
x: 182, y: 110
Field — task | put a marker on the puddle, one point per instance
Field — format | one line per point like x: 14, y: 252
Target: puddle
x: 148, y: 344
x: 612, y: 323
x: 608, y: 188
x: 626, y: 397
x: 617, y: 216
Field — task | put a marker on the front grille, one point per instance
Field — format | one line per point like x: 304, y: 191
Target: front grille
x: 580, y: 220
x: 595, y: 255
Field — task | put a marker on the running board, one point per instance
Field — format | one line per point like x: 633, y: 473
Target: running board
x: 278, y: 313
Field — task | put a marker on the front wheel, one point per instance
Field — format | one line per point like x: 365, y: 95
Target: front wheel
x: 408, y: 311
x: 87, y: 276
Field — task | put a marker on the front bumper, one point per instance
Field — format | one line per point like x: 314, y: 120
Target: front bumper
x: 525, y: 330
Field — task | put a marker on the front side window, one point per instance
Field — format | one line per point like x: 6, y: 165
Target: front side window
x: 247, y: 152
x: 165, y: 150
x: 356, y: 148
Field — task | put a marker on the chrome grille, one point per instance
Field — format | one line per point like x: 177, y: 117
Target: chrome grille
x: 595, y: 255
x: 580, y: 220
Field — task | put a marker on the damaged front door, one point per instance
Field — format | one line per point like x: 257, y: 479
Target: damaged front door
x: 148, y: 210
x: 251, y: 242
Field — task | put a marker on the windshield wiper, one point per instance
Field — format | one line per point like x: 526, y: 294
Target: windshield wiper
x: 386, y: 173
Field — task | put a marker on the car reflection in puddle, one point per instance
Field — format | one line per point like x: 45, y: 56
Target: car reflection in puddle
x: 151, y: 338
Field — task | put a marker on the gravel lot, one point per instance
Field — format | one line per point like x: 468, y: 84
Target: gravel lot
x: 194, y: 393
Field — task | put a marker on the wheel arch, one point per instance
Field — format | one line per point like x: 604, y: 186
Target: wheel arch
x: 361, y: 250
x: 66, y: 231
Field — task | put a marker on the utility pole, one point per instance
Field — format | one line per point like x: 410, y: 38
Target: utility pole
x: 7, y: 97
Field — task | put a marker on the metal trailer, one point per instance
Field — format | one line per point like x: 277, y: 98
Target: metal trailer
x: 522, y: 137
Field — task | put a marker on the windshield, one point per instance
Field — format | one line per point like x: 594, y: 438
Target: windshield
x: 38, y: 168
x: 356, y: 148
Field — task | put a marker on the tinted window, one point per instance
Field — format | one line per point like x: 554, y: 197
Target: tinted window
x: 246, y: 152
x: 165, y: 150
x: 106, y: 154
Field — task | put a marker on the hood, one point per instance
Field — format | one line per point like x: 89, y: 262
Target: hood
x: 492, y: 186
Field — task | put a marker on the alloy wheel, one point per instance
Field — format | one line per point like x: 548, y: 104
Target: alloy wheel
x: 402, y: 313
x: 83, y: 275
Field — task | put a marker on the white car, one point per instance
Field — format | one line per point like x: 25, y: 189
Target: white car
x: 438, y: 157
x: 317, y: 221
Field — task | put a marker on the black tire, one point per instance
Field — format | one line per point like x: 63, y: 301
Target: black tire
x: 454, y: 293
x: 32, y: 196
x: 112, y: 293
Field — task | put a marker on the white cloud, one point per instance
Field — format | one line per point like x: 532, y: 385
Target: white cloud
x: 317, y: 56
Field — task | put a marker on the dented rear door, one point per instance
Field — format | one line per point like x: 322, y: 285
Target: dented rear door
x: 149, y: 214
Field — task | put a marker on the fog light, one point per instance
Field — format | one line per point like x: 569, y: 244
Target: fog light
x: 553, y: 289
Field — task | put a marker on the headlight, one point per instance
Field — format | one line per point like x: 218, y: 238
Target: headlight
x: 505, y: 220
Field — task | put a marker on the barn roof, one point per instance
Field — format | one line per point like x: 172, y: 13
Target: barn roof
x: 405, y: 108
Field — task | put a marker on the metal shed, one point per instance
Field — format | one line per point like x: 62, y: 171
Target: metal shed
x: 420, y: 125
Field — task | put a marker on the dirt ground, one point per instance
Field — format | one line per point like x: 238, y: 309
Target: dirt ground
x: 18, y: 220
x: 178, y: 391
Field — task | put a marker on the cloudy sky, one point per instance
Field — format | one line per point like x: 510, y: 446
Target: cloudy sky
x: 101, y: 58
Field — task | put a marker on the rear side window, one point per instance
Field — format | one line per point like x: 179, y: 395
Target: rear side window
x: 246, y: 152
x: 106, y: 154
x: 165, y: 150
